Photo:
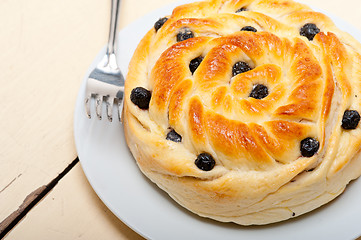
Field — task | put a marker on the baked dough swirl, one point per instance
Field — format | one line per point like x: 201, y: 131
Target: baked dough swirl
x: 262, y: 88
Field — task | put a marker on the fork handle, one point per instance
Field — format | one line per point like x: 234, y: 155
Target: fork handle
x: 113, y: 26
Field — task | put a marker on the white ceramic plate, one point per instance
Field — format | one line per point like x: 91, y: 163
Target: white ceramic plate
x: 115, y: 177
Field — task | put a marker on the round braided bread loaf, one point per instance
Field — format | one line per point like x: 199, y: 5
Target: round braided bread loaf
x: 246, y: 110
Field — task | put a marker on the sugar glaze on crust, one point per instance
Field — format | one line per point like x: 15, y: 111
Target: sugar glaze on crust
x: 259, y: 175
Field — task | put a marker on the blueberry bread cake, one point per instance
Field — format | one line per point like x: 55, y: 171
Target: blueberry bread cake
x: 246, y: 111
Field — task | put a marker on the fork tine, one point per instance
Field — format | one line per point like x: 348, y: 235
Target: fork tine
x: 98, y: 106
x: 119, y: 110
x: 109, y: 106
x: 120, y: 102
x: 87, y: 106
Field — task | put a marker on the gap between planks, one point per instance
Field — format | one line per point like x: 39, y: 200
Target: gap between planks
x: 30, y: 201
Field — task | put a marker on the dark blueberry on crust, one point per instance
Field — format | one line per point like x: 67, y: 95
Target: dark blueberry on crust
x: 205, y: 162
x: 259, y: 91
x: 174, y: 136
x: 240, y: 67
x: 193, y: 65
x: 140, y: 97
x: 350, y: 119
x: 158, y: 24
x: 249, y: 29
x: 242, y: 9
x: 309, y: 30
x: 309, y: 147
x: 184, y: 34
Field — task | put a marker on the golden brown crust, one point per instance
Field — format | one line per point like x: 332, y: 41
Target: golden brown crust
x: 260, y: 175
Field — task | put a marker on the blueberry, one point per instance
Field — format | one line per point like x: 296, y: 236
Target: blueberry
x: 193, y: 65
x: 174, y: 136
x: 205, y: 162
x: 141, y: 97
x: 240, y: 67
x: 242, y: 9
x: 309, y: 147
x: 259, y: 91
x: 309, y: 31
x: 184, y: 34
x: 249, y: 29
x: 350, y: 119
x: 158, y: 24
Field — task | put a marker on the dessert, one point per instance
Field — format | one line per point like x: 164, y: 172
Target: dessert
x: 246, y: 111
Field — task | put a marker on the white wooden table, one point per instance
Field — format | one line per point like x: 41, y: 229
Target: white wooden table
x: 45, y: 49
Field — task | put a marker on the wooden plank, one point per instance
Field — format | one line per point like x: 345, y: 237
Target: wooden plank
x: 46, y: 47
x: 31, y: 200
x: 72, y: 210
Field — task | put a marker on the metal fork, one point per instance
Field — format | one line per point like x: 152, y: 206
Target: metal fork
x: 106, y: 82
